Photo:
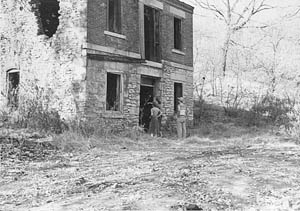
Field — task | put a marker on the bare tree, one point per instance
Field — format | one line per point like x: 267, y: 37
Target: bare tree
x: 236, y: 15
x: 269, y: 58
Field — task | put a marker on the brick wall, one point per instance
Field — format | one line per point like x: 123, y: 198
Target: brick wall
x: 97, y: 24
x: 167, y: 38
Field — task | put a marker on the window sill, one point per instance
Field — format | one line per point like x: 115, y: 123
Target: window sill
x: 153, y: 64
x: 113, y: 34
x: 113, y: 114
x: 178, y: 52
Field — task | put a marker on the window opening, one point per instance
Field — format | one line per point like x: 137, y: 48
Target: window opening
x: 152, y: 34
x: 113, y: 91
x: 48, y: 16
x: 177, y: 34
x: 114, y: 16
x: 13, y: 78
x: 177, y: 93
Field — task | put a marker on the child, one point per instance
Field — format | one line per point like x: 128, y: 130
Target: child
x: 181, y: 119
x: 154, y: 124
x: 157, y: 103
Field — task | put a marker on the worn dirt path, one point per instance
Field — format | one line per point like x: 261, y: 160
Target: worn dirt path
x: 239, y: 173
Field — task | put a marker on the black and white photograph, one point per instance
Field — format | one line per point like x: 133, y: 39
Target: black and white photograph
x: 149, y: 105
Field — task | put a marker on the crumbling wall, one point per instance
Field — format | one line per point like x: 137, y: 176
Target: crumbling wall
x: 54, y: 64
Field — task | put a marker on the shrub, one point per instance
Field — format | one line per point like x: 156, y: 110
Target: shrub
x: 203, y: 112
x: 34, y: 113
x: 293, y: 128
x: 38, y: 117
x: 4, y: 117
x: 274, y: 110
x: 232, y: 112
x: 250, y: 118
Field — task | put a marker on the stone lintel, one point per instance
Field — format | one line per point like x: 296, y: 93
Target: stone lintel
x: 178, y: 77
x: 111, y: 50
x: 177, y: 12
x: 177, y: 65
x: 153, y: 3
x: 150, y: 71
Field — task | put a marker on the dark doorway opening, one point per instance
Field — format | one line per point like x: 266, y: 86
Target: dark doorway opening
x: 146, y: 98
x: 177, y: 93
x: 13, y: 77
x: 149, y: 89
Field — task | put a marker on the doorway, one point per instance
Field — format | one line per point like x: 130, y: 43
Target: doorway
x: 13, y: 80
x: 177, y: 93
x: 149, y: 88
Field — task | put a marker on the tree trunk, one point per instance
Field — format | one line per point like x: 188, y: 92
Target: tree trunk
x: 225, y: 50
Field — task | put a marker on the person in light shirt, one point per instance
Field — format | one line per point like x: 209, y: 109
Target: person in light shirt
x: 181, y: 118
x: 154, y: 123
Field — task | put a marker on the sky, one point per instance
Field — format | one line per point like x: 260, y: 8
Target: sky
x: 208, y: 27
x: 209, y: 32
x: 281, y: 8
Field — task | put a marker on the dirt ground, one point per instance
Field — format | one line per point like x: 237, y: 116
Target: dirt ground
x: 251, y: 171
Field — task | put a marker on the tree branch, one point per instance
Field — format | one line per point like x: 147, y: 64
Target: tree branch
x: 206, y: 5
x: 253, y: 11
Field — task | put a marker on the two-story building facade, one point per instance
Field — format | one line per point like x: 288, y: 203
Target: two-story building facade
x: 108, y: 58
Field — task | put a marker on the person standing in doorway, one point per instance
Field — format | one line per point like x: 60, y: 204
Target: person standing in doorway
x: 181, y: 118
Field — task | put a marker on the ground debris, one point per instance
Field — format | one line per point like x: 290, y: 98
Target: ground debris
x: 220, y: 177
x: 24, y: 145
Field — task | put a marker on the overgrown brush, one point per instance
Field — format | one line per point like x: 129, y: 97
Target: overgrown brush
x: 274, y: 110
x: 203, y: 112
x: 293, y: 128
x: 33, y: 112
x: 91, y: 129
x: 265, y: 111
x: 84, y: 135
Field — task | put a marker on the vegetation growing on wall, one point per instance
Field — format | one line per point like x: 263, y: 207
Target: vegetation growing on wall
x: 39, y: 39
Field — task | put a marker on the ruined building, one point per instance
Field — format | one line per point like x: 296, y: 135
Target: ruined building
x: 102, y: 60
